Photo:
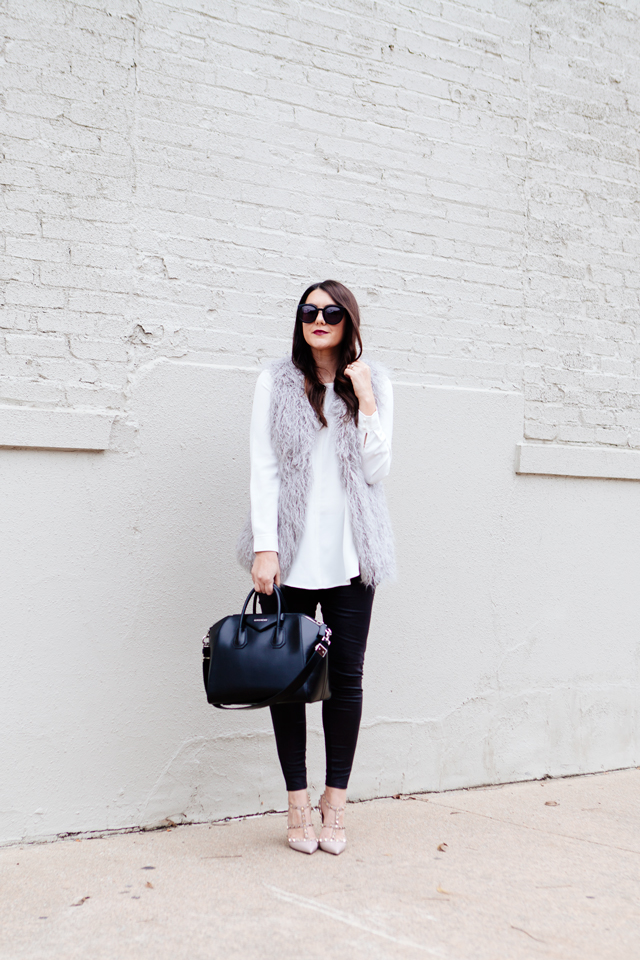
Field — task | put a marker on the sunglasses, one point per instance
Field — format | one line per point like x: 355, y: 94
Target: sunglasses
x: 333, y: 314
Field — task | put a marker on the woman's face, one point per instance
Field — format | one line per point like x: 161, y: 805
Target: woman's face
x: 320, y: 335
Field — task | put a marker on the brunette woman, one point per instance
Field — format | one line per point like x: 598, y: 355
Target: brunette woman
x: 319, y: 527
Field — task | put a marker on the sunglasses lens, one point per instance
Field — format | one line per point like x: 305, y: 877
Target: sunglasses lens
x: 307, y: 312
x: 333, y: 315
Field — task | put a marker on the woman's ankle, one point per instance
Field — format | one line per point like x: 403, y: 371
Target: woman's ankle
x: 299, y: 822
x: 335, y: 796
x: 332, y: 806
x: 298, y: 798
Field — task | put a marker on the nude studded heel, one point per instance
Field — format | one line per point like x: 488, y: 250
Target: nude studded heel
x: 307, y: 844
x: 334, y: 844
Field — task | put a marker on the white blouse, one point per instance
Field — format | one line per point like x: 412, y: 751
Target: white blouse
x: 326, y: 554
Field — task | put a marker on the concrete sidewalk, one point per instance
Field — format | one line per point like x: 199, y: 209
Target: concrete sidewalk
x: 543, y: 869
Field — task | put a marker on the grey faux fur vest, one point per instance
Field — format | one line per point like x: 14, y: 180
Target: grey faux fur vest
x: 293, y: 430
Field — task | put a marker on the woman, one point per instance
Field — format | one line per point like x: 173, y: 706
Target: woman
x: 320, y: 444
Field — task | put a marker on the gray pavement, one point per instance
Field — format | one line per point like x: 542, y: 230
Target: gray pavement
x: 542, y: 869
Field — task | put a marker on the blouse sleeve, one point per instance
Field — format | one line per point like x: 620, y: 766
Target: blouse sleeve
x: 265, y: 480
x: 375, y: 433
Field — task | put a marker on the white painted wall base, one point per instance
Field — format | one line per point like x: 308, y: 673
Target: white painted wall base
x: 508, y: 648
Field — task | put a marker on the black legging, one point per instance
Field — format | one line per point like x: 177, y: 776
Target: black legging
x: 347, y: 611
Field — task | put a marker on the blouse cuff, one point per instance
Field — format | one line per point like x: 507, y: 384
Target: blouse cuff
x: 368, y: 422
x: 261, y: 544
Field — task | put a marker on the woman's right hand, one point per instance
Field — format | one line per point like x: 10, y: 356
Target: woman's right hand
x: 265, y: 571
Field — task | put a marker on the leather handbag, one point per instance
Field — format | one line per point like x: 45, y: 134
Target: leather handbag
x: 255, y: 660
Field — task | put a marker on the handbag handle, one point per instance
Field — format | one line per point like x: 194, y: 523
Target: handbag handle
x: 239, y: 641
x: 256, y: 595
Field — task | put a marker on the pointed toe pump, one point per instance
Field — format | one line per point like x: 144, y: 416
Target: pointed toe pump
x: 331, y: 817
x: 307, y: 843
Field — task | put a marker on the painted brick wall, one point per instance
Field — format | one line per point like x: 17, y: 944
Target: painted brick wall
x: 175, y: 173
x: 581, y: 278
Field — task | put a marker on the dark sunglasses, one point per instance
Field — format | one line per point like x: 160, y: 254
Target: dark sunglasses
x: 307, y: 312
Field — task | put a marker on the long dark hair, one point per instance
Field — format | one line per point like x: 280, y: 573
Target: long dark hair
x: 350, y: 350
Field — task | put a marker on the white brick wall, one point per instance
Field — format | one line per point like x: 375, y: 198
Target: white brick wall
x: 175, y: 173
x: 581, y: 284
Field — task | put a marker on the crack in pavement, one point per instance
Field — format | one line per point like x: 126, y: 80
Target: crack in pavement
x: 350, y: 919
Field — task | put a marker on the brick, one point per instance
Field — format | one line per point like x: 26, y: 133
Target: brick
x: 21, y: 271
x: 16, y: 318
x: 30, y: 295
x: 64, y: 321
x: 110, y: 350
x: 36, y: 346
x: 36, y: 392
x: 36, y: 248
x: 93, y: 395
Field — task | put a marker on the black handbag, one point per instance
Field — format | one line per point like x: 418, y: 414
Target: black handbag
x: 254, y: 660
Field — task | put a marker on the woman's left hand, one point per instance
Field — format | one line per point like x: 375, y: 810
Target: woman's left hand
x: 360, y: 376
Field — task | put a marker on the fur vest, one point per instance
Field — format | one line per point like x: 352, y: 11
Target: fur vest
x: 294, y: 427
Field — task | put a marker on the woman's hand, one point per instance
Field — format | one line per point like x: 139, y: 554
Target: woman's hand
x: 265, y: 571
x: 360, y: 376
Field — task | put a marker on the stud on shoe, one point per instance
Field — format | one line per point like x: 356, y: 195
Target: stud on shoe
x: 333, y: 844
x: 305, y: 844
